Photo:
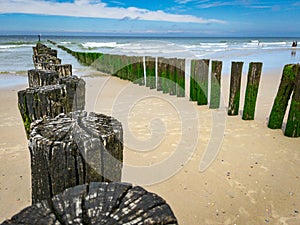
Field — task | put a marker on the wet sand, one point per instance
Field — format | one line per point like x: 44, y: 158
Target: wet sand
x: 254, y: 179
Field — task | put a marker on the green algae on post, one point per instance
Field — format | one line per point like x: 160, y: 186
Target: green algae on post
x: 283, y: 96
x: 172, y: 75
x: 235, y: 88
x: 180, y: 84
x: 150, y: 72
x: 254, y: 73
x: 215, y: 93
x: 293, y: 122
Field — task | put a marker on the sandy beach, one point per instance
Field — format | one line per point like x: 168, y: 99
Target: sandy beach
x: 255, y: 178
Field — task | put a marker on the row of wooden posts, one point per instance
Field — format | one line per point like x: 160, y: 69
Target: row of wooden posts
x: 170, y: 79
x: 76, y: 157
x: 68, y: 146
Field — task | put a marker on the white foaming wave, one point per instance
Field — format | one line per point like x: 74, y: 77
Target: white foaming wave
x: 100, y: 44
x: 15, y: 46
x: 65, y: 42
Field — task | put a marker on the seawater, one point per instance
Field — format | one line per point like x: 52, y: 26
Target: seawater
x: 16, y: 51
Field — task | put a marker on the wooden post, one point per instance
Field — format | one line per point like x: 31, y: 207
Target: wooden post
x: 166, y: 73
x: 255, y: 69
x: 62, y: 70
x: 44, y: 58
x: 180, y: 84
x: 160, y: 73
x: 215, y: 93
x: 293, y: 122
x: 193, y: 93
x: 199, y: 81
x: 172, y: 75
x: 38, y: 78
x: 51, y: 100
x: 283, y: 95
x: 235, y: 88
x: 73, y: 149
x: 99, y: 203
x: 150, y: 72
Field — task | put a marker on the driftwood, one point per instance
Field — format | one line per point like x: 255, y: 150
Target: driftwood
x: 98, y: 203
x: 51, y: 100
x: 73, y: 149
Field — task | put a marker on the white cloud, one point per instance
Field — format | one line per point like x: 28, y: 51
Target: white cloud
x: 95, y: 9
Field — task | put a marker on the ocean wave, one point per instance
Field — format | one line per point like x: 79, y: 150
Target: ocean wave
x: 90, y: 45
x: 9, y: 46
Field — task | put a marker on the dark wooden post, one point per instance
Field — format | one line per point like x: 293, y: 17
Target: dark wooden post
x: 150, y: 72
x: 199, y: 81
x: 235, y: 88
x: 38, y: 78
x: 73, y: 149
x: 180, y: 84
x: 172, y: 74
x: 293, y: 122
x: 62, y: 70
x: 99, y: 203
x: 255, y: 69
x: 283, y: 95
x: 215, y: 93
x: 160, y: 73
x: 193, y: 93
x: 51, y: 100
x: 165, y: 74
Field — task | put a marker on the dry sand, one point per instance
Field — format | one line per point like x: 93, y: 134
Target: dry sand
x: 255, y: 178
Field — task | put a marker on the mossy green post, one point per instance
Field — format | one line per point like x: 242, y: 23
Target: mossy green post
x: 180, y: 84
x: 160, y: 73
x: 150, y: 72
x: 215, y: 93
x: 172, y: 74
x: 201, y: 79
x: 254, y: 74
x: 235, y: 88
x: 283, y: 96
x: 193, y: 95
x: 164, y: 75
x: 293, y: 122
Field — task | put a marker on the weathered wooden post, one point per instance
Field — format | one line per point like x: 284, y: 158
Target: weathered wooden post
x: 160, y: 73
x: 98, y: 203
x: 235, y: 88
x: 172, y: 75
x: 283, y: 95
x: 62, y: 70
x: 293, y: 122
x: 180, y: 84
x: 199, y: 81
x: 73, y: 149
x: 254, y: 73
x: 166, y: 72
x: 38, y: 78
x: 44, y: 58
x: 51, y: 100
x: 150, y: 72
x: 215, y: 93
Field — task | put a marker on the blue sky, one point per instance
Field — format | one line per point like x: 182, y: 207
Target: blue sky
x: 152, y: 17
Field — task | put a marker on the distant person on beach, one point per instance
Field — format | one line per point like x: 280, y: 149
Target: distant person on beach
x: 39, y: 36
x: 294, y: 44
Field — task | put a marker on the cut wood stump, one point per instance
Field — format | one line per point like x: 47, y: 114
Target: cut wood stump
x: 98, y: 203
x: 62, y: 70
x: 51, y: 100
x: 73, y: 149
x: 37, y: 78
